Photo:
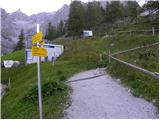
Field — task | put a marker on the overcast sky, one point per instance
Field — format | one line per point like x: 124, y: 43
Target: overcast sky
x: 36, y: 6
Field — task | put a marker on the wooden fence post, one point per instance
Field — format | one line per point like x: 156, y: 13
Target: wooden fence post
x: 100, y: 57
x: 153, y: 31
x: 109, y: 56
x: 9, y: 83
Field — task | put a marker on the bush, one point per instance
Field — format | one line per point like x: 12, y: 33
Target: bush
x: 59, y: 72
x: 48, y: 89
x: 62, y: 78
x: 101, y: 64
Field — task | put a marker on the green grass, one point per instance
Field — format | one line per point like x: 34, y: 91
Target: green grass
x: 79, y: 55
x: 142, y: 85
x: 142, y: 26
x: 145, y: 57
x: 125, y: 41
x: 18, y: 55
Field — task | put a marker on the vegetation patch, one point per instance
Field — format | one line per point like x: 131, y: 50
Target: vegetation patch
x: 145, y: 57
x: 47, y: 89
x: 20, y: 100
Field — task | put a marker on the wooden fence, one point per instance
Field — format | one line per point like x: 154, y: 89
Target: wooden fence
x: 156, y: 75
x: 153, y: 30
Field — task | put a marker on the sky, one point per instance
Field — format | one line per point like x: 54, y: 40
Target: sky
x: 30, y: 7
x: 34, y: 6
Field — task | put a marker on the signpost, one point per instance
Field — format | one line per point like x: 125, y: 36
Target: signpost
x: 38, y: 51
x: 37, y: 37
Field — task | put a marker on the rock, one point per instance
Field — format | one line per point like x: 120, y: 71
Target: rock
x: 129, y: 90
x: 118, y: 80
x: 153, y: 101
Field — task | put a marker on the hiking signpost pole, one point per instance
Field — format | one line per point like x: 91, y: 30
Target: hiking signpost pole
x: 39, y: 80
x: 39, y: 52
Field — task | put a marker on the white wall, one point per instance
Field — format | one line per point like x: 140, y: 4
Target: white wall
x: 52, y: 52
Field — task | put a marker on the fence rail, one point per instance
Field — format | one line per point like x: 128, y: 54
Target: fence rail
x: 149, y: 30
x: 156, y: 75
x: 132, y: 49
x: 136, y: 67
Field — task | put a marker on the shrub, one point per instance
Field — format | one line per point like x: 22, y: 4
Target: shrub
x: 62, y: 78
x: 59, y: 72
x: 48, y: 89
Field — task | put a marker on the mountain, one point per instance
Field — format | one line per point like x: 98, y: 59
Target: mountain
x: 12, y: 23
x: 61, y: 14
x: 18, y: 15
x: 8, y: 33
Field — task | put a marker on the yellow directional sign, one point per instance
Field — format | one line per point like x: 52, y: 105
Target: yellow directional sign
x: 37, y: 38
x: 39, y: 51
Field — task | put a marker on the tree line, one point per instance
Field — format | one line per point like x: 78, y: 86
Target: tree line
x: 91, y: 15
x: 88, y: 16
x: 54, y: 32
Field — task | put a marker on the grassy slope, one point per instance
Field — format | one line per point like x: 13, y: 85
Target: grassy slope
x: 141, y: 84
x: 146, y: 58
x: 79, y: 55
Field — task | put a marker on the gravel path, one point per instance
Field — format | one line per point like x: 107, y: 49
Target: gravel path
x: 102, y: 97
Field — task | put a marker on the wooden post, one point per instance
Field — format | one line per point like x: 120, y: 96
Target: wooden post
x: 153, y: 31
x: 53, y: 60
x: 109, y: 56
x: 9, y: 83
x: 130, y: 32
x: 100, y: 57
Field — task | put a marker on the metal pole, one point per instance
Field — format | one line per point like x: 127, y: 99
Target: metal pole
x: 39, y: 81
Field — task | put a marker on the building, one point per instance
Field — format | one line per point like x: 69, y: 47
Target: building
x: 87, y: 33
x: 54, y: 51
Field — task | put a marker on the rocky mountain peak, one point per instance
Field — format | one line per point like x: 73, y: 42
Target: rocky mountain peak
x: 19, y: 11
x: 18, y: 15
x: 12, y: 23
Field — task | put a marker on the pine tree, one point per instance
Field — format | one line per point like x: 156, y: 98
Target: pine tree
x: 61, y: 27
x: 20, y: 44
x: 51, y: 32
x: 114, y: 11
x: 133, y: 9
x: 93, y: 14
x: 76, y: 20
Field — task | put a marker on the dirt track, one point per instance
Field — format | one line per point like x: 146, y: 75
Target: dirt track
x: 103, y: 97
